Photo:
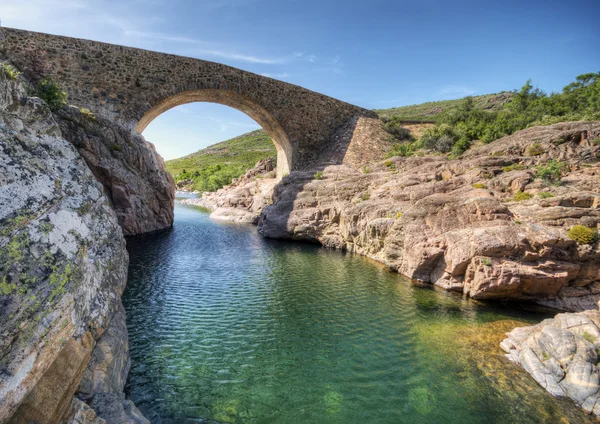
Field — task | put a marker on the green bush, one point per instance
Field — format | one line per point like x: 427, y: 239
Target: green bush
x: 319, y: 176
x: 394, y: 126
x: 521, y: 195
x: 365, y: 170
x: 582, y: 234
x: 402, y: 149
x: 389, y: 164
x: 458, y: 127
x: 552, y: 172
x: 479, y: 185
x: 10, y: 71
x: 51, y: 93
x: 87, y: 114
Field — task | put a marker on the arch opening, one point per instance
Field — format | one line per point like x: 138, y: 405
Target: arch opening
x: 265, y: 119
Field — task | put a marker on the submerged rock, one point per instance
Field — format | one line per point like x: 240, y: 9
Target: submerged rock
x: 561, y: 354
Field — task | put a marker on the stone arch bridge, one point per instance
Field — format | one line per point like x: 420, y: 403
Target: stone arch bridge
x: 134, y: 86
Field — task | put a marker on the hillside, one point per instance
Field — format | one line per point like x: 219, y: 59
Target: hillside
x: 430, y: 111
x: 447, y: 127
x: 213, y: 167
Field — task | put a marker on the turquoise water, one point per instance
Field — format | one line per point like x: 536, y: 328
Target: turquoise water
x: 227, y: 326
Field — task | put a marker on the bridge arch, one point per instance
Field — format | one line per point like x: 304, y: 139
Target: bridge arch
x: 236, y: 101
x: 133, y: 86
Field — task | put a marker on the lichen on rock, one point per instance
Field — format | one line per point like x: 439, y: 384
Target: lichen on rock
x: 63, y: 262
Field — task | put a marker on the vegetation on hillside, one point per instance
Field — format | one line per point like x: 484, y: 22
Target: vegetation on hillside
x: 458, y: 127
x: 211, y: 168
x: 431, y: 111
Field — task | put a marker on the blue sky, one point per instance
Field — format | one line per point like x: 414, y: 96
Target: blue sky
x: 375, y: 53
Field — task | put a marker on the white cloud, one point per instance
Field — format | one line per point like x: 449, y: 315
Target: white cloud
x: 162, y: 37
x: 456, y: 90
x: 242, y: 57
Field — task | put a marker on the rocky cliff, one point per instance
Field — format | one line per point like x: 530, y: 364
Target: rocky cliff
x: 486, y: 224
x: 132, y: 173
x: 63, y: 268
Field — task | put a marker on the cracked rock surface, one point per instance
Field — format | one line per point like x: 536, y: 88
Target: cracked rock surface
x: 561, y: 354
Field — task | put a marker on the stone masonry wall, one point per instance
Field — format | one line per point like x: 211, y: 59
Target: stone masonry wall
x: 134, y: 86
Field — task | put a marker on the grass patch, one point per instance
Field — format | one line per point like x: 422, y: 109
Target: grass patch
x: 319, y: 175
x: 545, y: 195
x: 87, y: 114
x: 519, y: 196
x: 535, y: 149
x: 479, y: 185
x: 587, y: 336
x: 10, y: 71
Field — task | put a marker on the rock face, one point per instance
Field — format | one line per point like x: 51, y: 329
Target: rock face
x: 243, y: 200
x: 63, y: 268
x: 561, y: 354
x: 456, y: 223
x: 131, y: 171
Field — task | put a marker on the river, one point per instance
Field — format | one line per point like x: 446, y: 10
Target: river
x: 230, y: 327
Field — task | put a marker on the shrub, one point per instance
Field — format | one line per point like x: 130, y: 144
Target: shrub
x: 439, y: 138
x: 398, y: 215
x: 545, y: 195
x: 596, y: 141
x: 582, y: 234
x: 394, y: 126
x: 402, y: 149
x: 10, y: 71
x: 486, y: 261
x: 521, y: 195
x: 51, y: 93
x: 319, y: 176
x: 479, y: 185
x: 552, y: 172
x: 365, y: 170
x: 365, y: 196
x: 87, y: 114
x: 389, y: 164
x: 535, y: 149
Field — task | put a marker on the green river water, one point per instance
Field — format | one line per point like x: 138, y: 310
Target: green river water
x: 229, y: 327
